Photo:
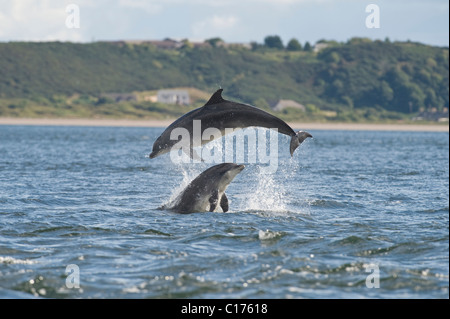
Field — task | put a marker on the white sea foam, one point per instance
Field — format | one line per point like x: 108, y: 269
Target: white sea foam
x: 266, y: 195
x: 14, y: 261
x: 188, y: 172
x: 268, y: 234
x: 269, y: 195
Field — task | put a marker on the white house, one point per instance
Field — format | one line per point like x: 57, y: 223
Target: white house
x: 179, y: 97
x: 320, y: 46
x: 283, y: 104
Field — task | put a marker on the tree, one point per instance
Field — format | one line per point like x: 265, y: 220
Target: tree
x: 187, y: 45
x: 338, y: 86
x: 273, y: 41
x: 294, y: 45
x: 214, y: 42
x: 417, y: 97
x: 387, y: 94
x: 307, y: 47
x: 347, y: 100
x: 255, y: 45
x: 431, y: 98
x: 261, y: 103
x: 334, y: 57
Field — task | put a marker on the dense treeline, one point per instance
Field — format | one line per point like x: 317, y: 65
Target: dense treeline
x: 360, y: 74
x: 401, y: 77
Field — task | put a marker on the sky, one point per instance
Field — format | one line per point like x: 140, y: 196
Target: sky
x: 232, y: 20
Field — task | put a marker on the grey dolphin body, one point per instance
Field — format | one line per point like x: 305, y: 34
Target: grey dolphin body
x: 207, y: 191
x: 221, y: 114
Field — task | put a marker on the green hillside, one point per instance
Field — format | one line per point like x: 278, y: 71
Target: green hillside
x: 357, y: 77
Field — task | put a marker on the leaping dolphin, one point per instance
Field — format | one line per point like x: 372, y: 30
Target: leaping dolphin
x: 221, y: 114
x: 207, y: 191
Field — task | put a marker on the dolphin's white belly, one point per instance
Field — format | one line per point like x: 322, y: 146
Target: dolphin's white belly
x: 202, y: 203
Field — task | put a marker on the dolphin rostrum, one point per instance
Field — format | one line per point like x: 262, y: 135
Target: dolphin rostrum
x: 221, y: 114
x: 207, y: 191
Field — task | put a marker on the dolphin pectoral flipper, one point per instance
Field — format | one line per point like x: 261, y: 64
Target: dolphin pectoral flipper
x: 213, y: 200
x: 224, y: 203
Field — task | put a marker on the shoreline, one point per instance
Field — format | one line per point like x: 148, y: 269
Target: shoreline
x: 165, y: 123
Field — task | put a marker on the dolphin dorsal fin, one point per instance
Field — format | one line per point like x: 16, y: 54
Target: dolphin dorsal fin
x: 216, y: 98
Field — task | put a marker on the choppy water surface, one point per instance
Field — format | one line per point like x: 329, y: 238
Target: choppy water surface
x: 346, y: 204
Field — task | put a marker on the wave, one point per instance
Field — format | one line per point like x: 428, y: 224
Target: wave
x: 269, y: 235
x: 328, y: 203
x: 14, y: 294
x: 13, y: 261
x: 436, y: 210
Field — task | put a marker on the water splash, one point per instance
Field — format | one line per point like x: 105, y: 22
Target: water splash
x: 189, y: 172
x: 269, y: 194
x: 261, y: 189
x: 266, y: 194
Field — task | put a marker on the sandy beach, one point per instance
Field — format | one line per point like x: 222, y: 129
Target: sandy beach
x: 164, y: 123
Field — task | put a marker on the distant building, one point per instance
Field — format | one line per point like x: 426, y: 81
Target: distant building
x: 166, y: 44
x: 174, y: 44
x: 119, y: 97
x: 234, y: 45
x: 320, y: 46
x: 162, y: 44
x: 432, y: 115
x: 283, y: 104
x: 151, y: 98
x: 179, y: 97
x: 171, y: 44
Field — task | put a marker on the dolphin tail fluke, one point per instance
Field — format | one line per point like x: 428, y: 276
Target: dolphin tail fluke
x: 297, y: 139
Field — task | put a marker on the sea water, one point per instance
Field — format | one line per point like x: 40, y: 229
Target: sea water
x: 353, y: 214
